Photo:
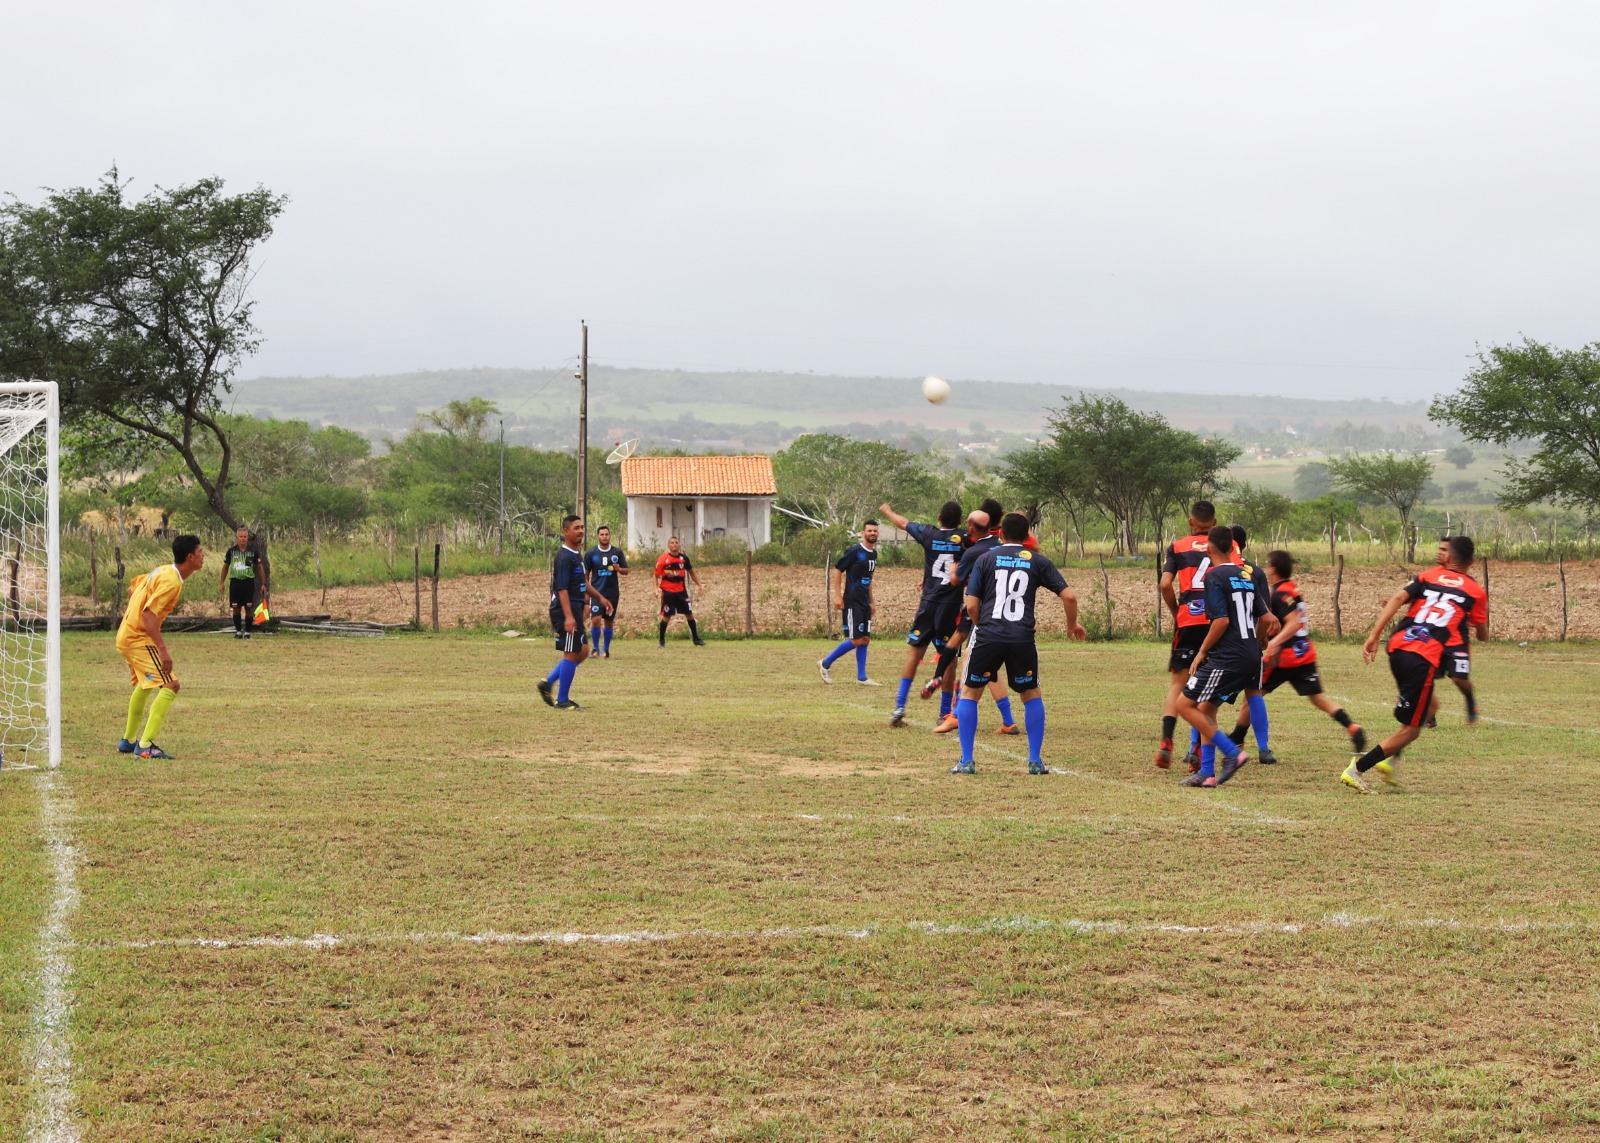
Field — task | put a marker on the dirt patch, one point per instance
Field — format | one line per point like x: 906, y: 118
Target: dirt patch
x: 1524, y: 601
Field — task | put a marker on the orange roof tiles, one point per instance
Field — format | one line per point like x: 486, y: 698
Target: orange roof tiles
x: 698, y: 476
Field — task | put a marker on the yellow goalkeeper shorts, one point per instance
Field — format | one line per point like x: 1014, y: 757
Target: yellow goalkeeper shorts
x: 144, y: 662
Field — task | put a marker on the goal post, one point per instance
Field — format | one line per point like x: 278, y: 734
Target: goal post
x: 30, y: 573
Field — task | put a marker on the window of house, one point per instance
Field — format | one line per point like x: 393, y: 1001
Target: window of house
x: 658, y: 515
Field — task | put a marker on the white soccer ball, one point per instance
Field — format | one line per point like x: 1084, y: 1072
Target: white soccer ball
x: 935, y: 389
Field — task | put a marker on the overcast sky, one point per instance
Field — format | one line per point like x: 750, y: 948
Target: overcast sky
x: 1245, y: 197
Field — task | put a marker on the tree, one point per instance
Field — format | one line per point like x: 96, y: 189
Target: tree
x: 1258, y: 509
x: 1459, y: 455
x: 138, y: 309
x: 1535, y: 392
x: 1385, y: 476
x: 842, y: 481
x: 1312, y: 480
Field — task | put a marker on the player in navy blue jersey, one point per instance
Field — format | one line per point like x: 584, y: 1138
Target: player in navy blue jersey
x: 1253, y: 711
x: 604, y: 565
x: 1229, y: 658
x: 852, y: 595
x: 1000, y: 590
x: 568, y: 590
x: 940, y: 605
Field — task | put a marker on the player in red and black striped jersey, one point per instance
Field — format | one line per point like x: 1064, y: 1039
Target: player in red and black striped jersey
x: 1183, y: 588
x: 1456, y: 664
x: 1440, y: 605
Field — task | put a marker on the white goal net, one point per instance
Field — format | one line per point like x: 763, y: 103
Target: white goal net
x: 30, y: 575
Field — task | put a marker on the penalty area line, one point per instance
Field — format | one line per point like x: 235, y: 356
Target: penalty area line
x: 49, y: 1025
x: 998, y: 926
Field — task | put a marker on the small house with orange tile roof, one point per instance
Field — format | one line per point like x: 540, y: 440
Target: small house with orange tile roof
x: 698, y: 498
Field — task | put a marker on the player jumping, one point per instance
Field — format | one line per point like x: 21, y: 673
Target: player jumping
x: 999, y: 601
x: 139, y: 641
x: 568, y: 588
x: 1228, y: 659
x: 1443, y: 601
x: 940, y: 605
x: 852, y: 595
x: 604, y: 564
x: 986, y: 536
x: 674, y: 570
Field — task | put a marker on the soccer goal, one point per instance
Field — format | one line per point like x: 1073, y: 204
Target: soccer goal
x: 30, y: 574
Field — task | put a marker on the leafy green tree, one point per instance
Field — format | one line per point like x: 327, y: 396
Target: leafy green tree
x: 1535, y: 392
x: 138, y: 309
x: 1397, y: 480
x: 842, y: 481
x: 1258, y: 509
x: 1312, y: 479
x: 1459, y: 455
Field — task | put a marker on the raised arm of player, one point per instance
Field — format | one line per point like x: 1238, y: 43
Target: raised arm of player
x: 895, y: 518
x: 1069, y: 601
x: 1369, y: 649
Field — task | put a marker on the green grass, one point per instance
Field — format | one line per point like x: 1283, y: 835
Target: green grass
x: 863, y: 946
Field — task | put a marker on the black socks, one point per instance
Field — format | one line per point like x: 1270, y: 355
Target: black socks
x: 1341, y: 718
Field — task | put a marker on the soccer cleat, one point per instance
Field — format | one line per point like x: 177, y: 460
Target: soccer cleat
x: 868, y: 683
x: 1390, y: 776
x: 547, y: 692
x: 1191, y: 759
x: 1231, y: 766
x: 238, y: 634
x: 662, y: 643
x: 1164, y: 753
x: 699, y: 642
x: 1010, y: 729
x: 126, y: 747
x: 1266, y: 757
x: 963, y: 768
x: 1358, y: 739
x: 946, y: 724
x: 1431, y: 724
x: 154, y: 752
x: 568, y: 705
x: 1352, y: 778
x: 1472, y: 718
x: 822, y: 669
x: 1193, y: 779
x: 1210, y: 783
x: 898, y: 718
x: 1038, y: 768
x: 930, y: 690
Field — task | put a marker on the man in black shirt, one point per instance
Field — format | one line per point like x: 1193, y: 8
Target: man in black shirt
x: 604, y: 564
x: 940, y: 605
x: 852, y: 594
x: 1000, y: 589
x: 568, y: 591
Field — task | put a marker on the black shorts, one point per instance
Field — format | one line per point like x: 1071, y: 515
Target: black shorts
x: 1222, y: 682
x: 676, y: 603
x: 568, y: 642
x: 935, y: 622
x: 241, y: 592
x: 1021, y: 661
x: 857, y: 620
x: 1185, y: 646
x: 1415, y: 676
x: 1304, y: 678
x: 598, y: 613
x: 1456, y: 663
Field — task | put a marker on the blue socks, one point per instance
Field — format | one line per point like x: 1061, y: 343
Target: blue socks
x: 861, y: 661
x: 555, y: 672
x: 838, y: 651
x: 946, y: 702
x: 1225, y: 744
x: 1033, y: 717
x: 1003, y: 705
x: 565, y: 671
x: 608, y: 641
x: 1208, y: 761
x: 1194, y: 738
x: 905, y: 690
x: 967, y: 718
x: 1258, y: 719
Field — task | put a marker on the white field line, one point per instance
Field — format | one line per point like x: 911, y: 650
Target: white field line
x: 1202, y: 798
x: 50, y: 1023
x: 1481, y: 717
x: 1002, y: 926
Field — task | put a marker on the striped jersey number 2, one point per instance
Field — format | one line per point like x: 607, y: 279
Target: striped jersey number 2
x: 1437, y: 611
x: 1008, y: 589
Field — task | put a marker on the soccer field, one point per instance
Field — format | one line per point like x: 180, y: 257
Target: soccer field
x: 385, y: 893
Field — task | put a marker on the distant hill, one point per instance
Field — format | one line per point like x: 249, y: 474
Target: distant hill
x: 763, y: 410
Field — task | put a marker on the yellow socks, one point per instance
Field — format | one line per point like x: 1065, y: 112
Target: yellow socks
x: 136, y: 705
x: 158, y: 715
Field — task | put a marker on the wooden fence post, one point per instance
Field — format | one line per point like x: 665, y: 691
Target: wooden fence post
x: 827, y: 603
x: 749, y: 603
x: 1338, y: 583
x: 436, y: 553
x: 1161, y: 604
x: 1110, y: 632
x: 416, y: 584
x: 1561, y: 567
x: 1333, y: 538
x: 94, y: 572
x: 116, y: 600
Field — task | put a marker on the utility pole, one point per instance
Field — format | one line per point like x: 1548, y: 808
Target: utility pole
x: 501, y: 546
x: 583, y: 427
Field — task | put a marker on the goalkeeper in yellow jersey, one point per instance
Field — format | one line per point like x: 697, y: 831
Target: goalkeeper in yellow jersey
x: 150, y: 601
